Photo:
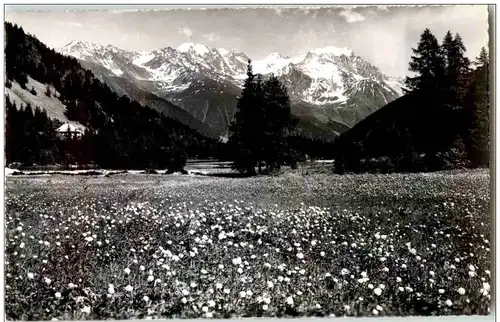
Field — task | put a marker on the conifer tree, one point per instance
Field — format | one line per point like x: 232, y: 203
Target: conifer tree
x: 242, y: 130
x: 278, y: 123
x: 457, y: 70
x: 483, y: 58
x: 429, y: 65
x: 477, y: 136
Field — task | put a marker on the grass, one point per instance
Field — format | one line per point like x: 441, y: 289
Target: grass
x: 151, y: 246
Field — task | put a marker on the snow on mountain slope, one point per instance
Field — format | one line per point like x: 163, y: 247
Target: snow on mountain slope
x: 143, y: 58
x: 52, y: 105
x: 198, y: 49
x: 325, y: 66
x: 335, y: 51
x: 204, y: 80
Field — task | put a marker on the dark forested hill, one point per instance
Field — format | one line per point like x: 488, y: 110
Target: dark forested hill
x: 120, y: 133
x: 441, y: 123
x: 408, y: 126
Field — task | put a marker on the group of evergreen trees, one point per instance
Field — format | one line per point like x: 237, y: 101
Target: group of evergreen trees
x: 30, y: 135
x: 259, y: 135
x: 442, y: 121
x: 446, y: 76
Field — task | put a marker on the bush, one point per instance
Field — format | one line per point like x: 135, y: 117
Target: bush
x: 380, y: 165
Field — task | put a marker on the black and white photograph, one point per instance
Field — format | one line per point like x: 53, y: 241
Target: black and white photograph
x: 248, y: 161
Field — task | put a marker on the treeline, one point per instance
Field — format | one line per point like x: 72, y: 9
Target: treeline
x: 441, y: 123
x: 120, y: 133
x: 30, y: 135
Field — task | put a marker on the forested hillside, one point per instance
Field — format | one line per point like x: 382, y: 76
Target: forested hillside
x: 441, y: 123
x: 120, y: 133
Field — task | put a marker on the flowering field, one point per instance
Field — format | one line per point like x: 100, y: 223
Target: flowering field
x: 153, y: 246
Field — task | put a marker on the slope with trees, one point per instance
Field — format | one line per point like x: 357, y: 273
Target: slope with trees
x: 441, y: 122
x: 120, y: 133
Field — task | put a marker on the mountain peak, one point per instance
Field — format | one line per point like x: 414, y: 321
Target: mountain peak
x: 79, y: 48
x: 197, y: 48
x: 332, y: 50
x: 223, y: 51
x: 81, y: 43
x: 274, y: 56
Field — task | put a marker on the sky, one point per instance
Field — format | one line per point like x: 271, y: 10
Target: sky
x: 382, y: 35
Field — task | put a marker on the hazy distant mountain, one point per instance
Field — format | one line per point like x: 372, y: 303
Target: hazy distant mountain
x: 331, y: 88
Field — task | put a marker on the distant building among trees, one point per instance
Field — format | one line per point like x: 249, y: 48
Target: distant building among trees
x: 70, y: 131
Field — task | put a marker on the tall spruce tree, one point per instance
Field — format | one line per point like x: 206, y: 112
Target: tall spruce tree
x: 428, y: 63
x: 242, y: 131
x: 278, y: 123
x: 483, y: 58
x: 261, y: 125
x: 477, y: 136
x: 457, y: 69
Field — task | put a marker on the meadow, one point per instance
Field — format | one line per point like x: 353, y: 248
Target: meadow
x: 151, y: 246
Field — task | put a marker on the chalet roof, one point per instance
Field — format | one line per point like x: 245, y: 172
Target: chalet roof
x: 71, y: 127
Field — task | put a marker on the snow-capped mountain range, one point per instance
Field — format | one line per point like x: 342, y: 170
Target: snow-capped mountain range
x: 326, y: 85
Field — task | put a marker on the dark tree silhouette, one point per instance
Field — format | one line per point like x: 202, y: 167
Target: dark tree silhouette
x: 428, y: 62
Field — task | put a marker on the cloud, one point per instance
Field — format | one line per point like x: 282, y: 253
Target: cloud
x: 70, y: 24
x: 185, y: 31
x: 351, y: 16
x: 211, y: 37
